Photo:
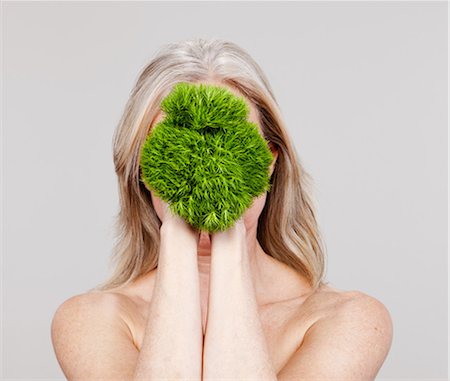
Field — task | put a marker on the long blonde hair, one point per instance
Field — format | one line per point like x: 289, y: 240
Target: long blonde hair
x: 287, y: 227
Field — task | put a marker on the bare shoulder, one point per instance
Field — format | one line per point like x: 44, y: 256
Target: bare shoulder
x: 363, y: 307
x: 372, y: 321
x: 90, y: 298
x: 351, y: 333
x: 92, y: 305
x: 330, y: 302
x: 91, y: 329
x: 353, y: 307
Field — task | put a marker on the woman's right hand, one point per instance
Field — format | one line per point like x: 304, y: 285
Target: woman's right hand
x: 171, y: 220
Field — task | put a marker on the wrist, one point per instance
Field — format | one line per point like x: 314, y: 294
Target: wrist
x: 231, y: 242
x: 177, y: 229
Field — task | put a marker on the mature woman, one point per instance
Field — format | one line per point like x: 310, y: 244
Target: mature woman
x: 246, y: 303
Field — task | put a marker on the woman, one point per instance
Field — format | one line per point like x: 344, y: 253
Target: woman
x: 247, y: 303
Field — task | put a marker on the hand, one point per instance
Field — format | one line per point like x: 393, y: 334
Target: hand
x: 170, y: 219
x: 166, y: 212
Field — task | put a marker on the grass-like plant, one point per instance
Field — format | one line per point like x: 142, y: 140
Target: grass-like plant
x: 205, y: 158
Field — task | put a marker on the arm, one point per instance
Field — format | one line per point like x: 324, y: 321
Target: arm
x: 90, y: 334
x: 173, y: 338
x: 234, y: 346
x: 352, y: 344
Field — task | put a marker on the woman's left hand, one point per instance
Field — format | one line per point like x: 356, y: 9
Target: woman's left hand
x: 231, y: 242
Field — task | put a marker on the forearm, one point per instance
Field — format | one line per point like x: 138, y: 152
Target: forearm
x: 172, y: 345
x: 235, y: 345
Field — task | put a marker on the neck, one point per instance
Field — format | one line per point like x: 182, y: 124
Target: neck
x: 266, y: 271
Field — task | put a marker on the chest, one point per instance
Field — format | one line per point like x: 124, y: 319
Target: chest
x: 284, y: 326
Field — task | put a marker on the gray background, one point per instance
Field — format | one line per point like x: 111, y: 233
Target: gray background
x: 363, y: 89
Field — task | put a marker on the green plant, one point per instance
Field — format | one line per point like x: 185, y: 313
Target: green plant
x: 205, y: 158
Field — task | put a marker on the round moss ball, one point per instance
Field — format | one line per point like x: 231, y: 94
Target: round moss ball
x: 205, y: 158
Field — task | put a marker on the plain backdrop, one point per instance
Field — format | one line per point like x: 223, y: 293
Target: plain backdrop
x: 362, y: 87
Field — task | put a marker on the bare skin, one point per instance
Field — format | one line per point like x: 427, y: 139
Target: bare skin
x: 327, y: 334
x: 285, y: 319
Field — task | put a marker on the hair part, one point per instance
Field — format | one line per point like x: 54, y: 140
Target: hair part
x: 287, y: 227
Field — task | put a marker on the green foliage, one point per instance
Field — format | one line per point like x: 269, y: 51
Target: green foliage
x: 205, y: 158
